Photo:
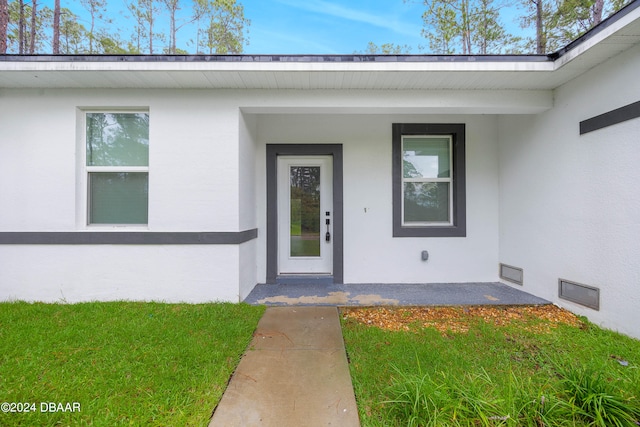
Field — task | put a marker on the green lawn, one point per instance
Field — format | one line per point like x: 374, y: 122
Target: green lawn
x: 124, y: 363
x: 521, y: 373
x: 127, y: 363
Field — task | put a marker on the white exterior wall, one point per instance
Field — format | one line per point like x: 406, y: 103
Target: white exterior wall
x: 193, y: 186
x: 569, y: 204
x: 247, y: 203
x: 371, y: 253
x: 75, y: 273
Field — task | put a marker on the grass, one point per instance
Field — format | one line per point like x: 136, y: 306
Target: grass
x: 125, y: 363
x: 517, y: 374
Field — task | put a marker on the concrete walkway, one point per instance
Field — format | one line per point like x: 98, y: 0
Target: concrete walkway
x: 295, y: 373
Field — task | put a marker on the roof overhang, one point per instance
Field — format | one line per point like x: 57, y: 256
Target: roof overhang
x: 339, y: 72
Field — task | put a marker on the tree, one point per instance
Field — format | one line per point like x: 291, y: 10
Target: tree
x: 96, y: 9
x: 172, y: 8
x: 4, y: 25
x: 386, y: 49
x: 34, y: 21
x: 72, y: 34
x: 21, y: 28
x: 56, y: 28
x: 144, y: 12
x: 27, y: 35
x: 440, y: 30
x: 465, y: 26
x: 225, y: 26
x: 575, y: 17
x: 489, y: 36
x: 109, y: 44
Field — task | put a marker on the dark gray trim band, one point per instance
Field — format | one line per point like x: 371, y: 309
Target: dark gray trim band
x: 613, y: 117
x: 457, y: 131
x: 127, y: 238
x: 275, y: 150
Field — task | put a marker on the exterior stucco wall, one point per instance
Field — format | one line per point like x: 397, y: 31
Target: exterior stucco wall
x: 193, y: 158
x: 371, y: 253
x: 75, y: 273
x: 569, y: 204
x: 194, y: 185
x: 247, y: 205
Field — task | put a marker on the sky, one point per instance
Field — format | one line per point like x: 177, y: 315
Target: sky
x: 331, y: 26
x: 309, y: 26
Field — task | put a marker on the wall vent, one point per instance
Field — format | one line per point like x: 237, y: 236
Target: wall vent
x: 511, y: 274
x: 579, y: 293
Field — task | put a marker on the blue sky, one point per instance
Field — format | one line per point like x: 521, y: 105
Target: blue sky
x: 331, y: 26
x: 305, y: 26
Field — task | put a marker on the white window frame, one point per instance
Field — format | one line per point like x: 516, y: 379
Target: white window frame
x: 86, y: 170
x: 449, y: 180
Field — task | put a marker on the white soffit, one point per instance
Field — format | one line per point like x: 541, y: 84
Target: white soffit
x: 341, y: 72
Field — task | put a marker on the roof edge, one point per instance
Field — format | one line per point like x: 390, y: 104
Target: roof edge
x: 288, y: 58
x: 604, y: 24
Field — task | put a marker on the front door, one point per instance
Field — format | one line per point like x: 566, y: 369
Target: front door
x: 305, y: 215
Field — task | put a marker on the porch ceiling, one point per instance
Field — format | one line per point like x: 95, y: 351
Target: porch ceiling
x: 339, y: 72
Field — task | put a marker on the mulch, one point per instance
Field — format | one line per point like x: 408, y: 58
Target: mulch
x: 538, y: 319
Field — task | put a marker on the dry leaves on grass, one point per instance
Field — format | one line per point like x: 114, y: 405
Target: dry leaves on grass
x: 459, y: 319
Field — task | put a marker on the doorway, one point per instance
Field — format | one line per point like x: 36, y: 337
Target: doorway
x: 304, y: 213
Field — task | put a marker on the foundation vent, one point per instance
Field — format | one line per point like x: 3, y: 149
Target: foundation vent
x: 511, y: 274
x: 579, y: 293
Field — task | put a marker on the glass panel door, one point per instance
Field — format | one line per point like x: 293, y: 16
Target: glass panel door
x: 304, y: 215
x: 304, y: 196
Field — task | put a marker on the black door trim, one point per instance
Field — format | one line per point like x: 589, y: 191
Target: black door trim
x: 275, y: 150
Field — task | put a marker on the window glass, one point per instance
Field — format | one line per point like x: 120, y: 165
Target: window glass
x: 426, y: 157
x: 117, y: 139
x: 305, y: 211
x: 426, y: 202
x: 118, y: 197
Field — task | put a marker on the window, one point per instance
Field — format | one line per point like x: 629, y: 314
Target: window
x: 117, y: 167
x: 429, y: 180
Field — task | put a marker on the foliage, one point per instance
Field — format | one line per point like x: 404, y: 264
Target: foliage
x: 465, y: 26
x: 595, y: 399
x: 517, y: 373
x: 125, y: 363
x: 475, y: 26
x: 386, y: 49
x: 225, y: 28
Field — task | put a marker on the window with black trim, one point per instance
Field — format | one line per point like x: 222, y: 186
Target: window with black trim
x: 429, y: 180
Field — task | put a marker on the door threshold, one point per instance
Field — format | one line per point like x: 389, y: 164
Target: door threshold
x: 311, y: 279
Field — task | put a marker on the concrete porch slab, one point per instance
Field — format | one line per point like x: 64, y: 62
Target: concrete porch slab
x: 295, y: 373
x: 425, y: 294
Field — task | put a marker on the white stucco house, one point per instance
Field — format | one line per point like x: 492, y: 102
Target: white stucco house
x: 193, y: 178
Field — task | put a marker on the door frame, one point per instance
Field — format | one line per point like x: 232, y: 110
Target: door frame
x: 275, y: 150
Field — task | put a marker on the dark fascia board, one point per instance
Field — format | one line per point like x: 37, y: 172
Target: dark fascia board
x: 275, y: 58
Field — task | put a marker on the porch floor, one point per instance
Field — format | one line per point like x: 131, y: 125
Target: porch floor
x: 425, y: 294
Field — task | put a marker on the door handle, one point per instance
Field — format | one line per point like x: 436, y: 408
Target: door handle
x: 327, y: 236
